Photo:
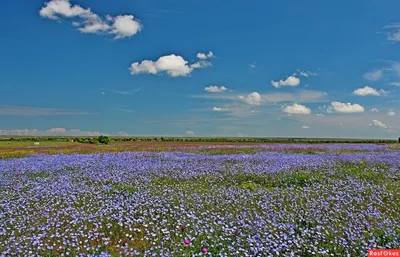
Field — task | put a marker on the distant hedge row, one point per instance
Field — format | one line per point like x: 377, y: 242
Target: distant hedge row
x: 105, y: 140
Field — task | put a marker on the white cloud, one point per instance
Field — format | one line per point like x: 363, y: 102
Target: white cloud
x: 217, y: 109
x: 369, y: 91
x: 345, y: 107
x: 125, y: 26
x: 297, y: 109
x: 307, y: 73
x: 173, y: 65
x: 122, y: 133
x: 391, y: 113
x: 396, y: 84
x: 253, y: 65
x: 373, y: 75
x: 121, y: 26
x: 394, y: 34
x: 203, y: 56
x: 320, y: 115
x: 103, y: 93
x: 377, y: 123
x: 253, y: 99
x: 305, y: 127
x: 190, y: 133
x: 291, y: 81
x: 215, y: 89
x: 374, y: 110
x: 56, y: 130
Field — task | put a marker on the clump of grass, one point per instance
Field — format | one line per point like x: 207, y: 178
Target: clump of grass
x: 40, y: 175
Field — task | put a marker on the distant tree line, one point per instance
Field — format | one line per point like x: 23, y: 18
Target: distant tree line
x: 105, y: 140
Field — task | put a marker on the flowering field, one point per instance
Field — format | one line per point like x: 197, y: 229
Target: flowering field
x: 282, y: 200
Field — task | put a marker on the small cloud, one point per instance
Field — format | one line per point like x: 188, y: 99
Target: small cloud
x: 217, y: 109
x: 190, y: 133
x: 124, y: 110
x: 374, y: 110
x: 56, y: 130
x: 373, y: 75
x: 215, y: 89
x: 396, y: 84
x: 305, y: 127
x: 253, y: 65
x: 320, y: 115
x: 339, y: 107
x: 291, y: 81
x: 131, y: 92
x: 307, y: 73
x: 365, y: 91
x: 391, y: 113
x: 122, y: 133
x: 203, y: 56
x: 377, y: 123
x: 93, y: 133
x: 297, y: 109
x: 103, y: 93
x: 173, y: 65
x: 253, y: 99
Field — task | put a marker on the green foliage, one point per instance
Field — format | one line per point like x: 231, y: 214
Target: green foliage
x: 103, y: 139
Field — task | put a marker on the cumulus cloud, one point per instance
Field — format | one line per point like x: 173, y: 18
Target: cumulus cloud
x: 203, y: 56
x: 345, y: 107
x: 120, y: 26
x: 391, y: 113
x: 373, y: 75
x: 374, y: 110
x: 56, y: 130
x: 215, y: 89
x: 377, y: 123
x: 365, y: 91
x: 297, y: 109
x: 218, y: 109
x: 252, y: 99
x: 291, y: 81
x: 173, y: 65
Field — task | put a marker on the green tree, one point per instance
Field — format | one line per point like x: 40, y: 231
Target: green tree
x: 103, y: 139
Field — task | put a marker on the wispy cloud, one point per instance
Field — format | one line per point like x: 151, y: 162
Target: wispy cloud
x: 374, y: 75
x: 12, y: 110
x: 124, y: 110
x: 393, y: 33
x: 127, y: 92
x: 304, y: 96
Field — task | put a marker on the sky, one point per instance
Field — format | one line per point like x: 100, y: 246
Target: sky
x: 255, y: 68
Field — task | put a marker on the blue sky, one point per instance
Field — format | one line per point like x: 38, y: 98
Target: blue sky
x: 200, y: 68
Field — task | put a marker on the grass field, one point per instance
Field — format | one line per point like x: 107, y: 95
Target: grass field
x: 189, y: 199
